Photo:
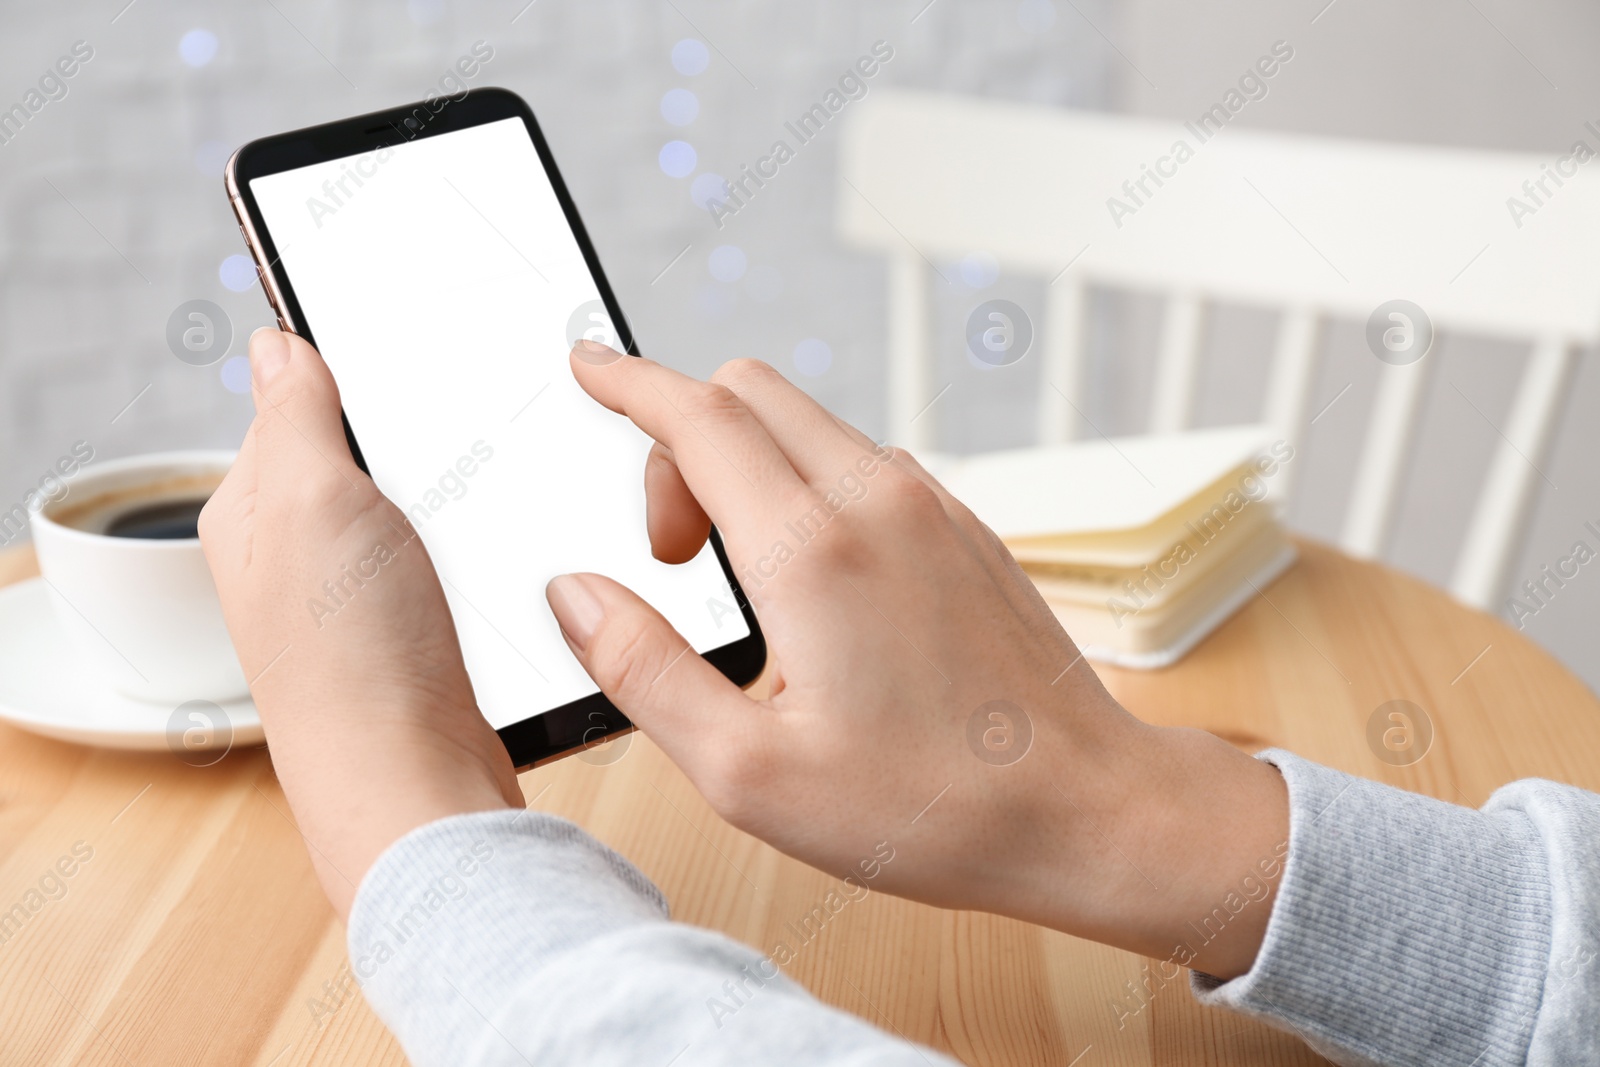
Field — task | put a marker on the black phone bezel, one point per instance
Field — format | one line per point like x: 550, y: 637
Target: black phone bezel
x: 583, y: 723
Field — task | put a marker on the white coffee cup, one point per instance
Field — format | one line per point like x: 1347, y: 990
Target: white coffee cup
x: 142, y: 614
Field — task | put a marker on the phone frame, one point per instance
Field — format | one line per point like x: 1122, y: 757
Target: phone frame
x: 581, y: 724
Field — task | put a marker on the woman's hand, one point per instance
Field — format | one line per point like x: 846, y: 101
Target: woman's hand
x: 925, y: 702
x: 341, y: 625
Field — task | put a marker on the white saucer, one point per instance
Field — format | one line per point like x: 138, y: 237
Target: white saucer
x: 44, y: 689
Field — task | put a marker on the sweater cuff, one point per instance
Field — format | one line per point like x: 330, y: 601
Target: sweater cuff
x: 418, y: 925
x: 1406, y: 930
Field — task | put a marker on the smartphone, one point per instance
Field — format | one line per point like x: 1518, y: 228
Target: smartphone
x: 434, y: 257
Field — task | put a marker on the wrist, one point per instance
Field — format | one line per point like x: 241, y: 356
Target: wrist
x: 1166, y: 842
x: 1219, y: 825
x: 359, y: 783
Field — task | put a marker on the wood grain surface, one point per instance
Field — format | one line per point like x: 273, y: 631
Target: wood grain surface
x: 195, y: 932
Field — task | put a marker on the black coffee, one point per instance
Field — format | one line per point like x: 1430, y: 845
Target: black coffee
x: 170, y: 520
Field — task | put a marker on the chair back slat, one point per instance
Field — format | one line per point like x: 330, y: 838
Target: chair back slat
x: 1515, y: 474
x: 1288, y: 399
x: 912, y: 420
x: 1381, y: 469
x: 1061, y: 369
x: 1177, y: 363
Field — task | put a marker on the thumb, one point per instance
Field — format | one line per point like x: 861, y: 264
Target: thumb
x: 299, y: 423
x: 701, y: 720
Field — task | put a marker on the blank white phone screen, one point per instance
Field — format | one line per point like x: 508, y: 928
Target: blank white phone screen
x: 443, y: 286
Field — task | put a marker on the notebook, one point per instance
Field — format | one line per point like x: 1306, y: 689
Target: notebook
x: 1141, y: 545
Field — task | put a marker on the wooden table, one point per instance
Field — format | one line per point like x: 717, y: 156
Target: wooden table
x: 197, y: 935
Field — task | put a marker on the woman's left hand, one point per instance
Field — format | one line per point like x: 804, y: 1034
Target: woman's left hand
x: 342, y: 627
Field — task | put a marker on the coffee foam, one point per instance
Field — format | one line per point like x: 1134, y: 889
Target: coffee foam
x: 96, y: 513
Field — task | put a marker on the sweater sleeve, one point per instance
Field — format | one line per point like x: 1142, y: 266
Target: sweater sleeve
x: 516, y: 938
x: 1411, y: 931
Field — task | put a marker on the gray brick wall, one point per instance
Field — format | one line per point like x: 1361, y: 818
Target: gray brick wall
x: 113, y: 213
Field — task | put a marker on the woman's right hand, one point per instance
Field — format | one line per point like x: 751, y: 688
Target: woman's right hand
x: 925, y: 702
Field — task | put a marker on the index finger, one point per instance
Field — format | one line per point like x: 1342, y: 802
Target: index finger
x: 728, y: 459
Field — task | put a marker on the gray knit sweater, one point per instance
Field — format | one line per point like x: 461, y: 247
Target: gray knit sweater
x: 1405, y: 931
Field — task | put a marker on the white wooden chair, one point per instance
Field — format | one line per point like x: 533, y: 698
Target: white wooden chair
x: 1316, y: 227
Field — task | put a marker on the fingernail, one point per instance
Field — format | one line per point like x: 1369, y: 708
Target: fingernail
x: 577, y: 609
x: 269, y: 354
x: 596, y: 353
